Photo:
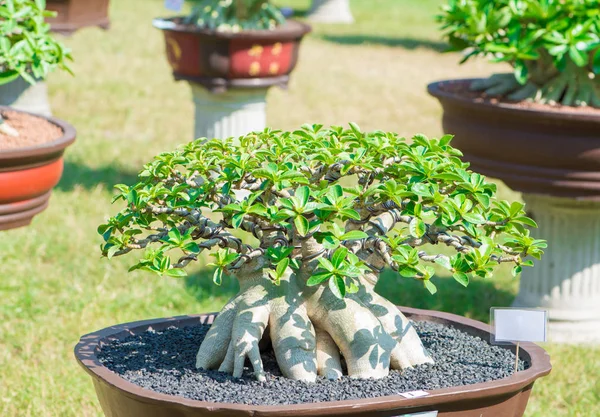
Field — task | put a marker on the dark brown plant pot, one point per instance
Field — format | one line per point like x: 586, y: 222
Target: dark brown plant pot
x: 502, y: 398
x: 77, y: 14
x: 27, y: 176
x: 538, y: 150
x: 247, y: 59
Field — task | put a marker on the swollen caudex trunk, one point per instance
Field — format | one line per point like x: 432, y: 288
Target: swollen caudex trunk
x: 310, y: 330
x: 7, y: 129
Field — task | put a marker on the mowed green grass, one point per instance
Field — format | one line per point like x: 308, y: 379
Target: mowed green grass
x: 54, y: 286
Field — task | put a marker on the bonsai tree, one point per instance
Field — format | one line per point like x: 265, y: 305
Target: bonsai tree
x: 234, y: 15
x: 27, y: 49
x: 306, y: 221
x: 553, y: 46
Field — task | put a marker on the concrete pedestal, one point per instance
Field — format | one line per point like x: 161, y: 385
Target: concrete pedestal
x: 234, y: 112
x: 330, y: 11
x: 566, y: 281
x: 21, y: 95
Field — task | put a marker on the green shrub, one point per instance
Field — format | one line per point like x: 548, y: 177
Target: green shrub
x: 26, y: 47
x: 283, y: 188
x: 235, y: 15
x: 553, y: 46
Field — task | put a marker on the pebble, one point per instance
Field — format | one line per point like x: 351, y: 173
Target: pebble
x: 164, y: 361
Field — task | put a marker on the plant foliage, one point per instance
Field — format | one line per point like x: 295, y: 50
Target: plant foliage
x: 235, y: 15
x: 333, y: 185
x: 541, y: 39
x: 26, y: 47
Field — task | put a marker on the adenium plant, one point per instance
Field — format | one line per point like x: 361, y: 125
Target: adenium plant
x: 553, y: 46
x: 27, y: 49
x: 234, y: 15
x: 306, y: 221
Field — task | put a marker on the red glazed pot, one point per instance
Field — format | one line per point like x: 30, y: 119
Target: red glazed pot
x: 501, y: 398
x: 554, y: 152
x: 253, y: 58
x: 76, y: 14
x: 27, y: 176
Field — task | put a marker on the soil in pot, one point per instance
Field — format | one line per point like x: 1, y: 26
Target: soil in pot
x: 32, y: 130
x: 462, y: 88
x: 164, y: 361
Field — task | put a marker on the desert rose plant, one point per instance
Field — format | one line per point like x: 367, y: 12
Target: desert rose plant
x: 234, y: 15
x: 553, y: 46
x: 27, y: 49
x: 306, y: 221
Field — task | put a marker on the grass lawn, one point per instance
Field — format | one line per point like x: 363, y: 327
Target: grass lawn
x: 53, y: 285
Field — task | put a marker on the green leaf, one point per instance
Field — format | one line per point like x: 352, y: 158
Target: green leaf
x: 596, y: 62
x: 461, y: 278
x: 516, y: 270
x: 337, y: 286
x: 417, y: 227
x: 430, y: 286
x: 351, y: 214
x: 218, y: 276
x: 317, y: 278
x: 302, y: 225
x: 354, y: 235
x: 303, y: 194
x: 339, y: 256
x: 176, y: 273
x: 282, y: 266
x: 443, y: 261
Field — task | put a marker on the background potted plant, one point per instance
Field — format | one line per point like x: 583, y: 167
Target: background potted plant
x: 307, y: 252
x: 72, y: 15
x: 31, y: 147
x: 538, y: 129
x: 237, y: 48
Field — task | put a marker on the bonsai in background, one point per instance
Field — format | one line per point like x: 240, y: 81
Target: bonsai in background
x: 231, y: 52
x: 553, y: 46
x: 72, y: 15
x: 28, y: 53
x: 306, y: 221
x: 234, y: 15
x: 538, y: 130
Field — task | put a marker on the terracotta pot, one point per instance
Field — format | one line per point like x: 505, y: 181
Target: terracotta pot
x: 77, y: 14
x: 502, y: 398
x: 247, y: 59
x: 552, y: 152
x: 27, y: 176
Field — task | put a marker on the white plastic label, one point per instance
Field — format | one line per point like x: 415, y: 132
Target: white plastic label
x: 174, y: 5
x: 414, y: 394
x: 423, y: 414
x: 519, y: 325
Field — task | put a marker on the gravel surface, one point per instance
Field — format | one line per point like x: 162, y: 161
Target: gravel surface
x: 165, y: 362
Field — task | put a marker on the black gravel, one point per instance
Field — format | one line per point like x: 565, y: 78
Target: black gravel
x: 165, y: 362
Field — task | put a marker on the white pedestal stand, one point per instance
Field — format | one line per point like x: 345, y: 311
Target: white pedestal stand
x: 330, y: 11
x: 234, y: 112
x: 566, y: 281
x: 21, y: 95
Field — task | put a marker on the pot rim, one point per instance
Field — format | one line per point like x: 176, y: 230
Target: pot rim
x: 57, y: 145
x: 88, y: 347
x: 435, y: 90
x: 290, y: 30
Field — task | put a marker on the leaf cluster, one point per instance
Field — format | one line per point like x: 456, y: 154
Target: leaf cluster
x: 562, y: 34
x: 235, y: 15
x: 351, y: 193
x: 26, y: 47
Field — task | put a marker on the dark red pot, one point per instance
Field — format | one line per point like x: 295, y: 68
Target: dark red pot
x: 255, y: 58
x: 77, y: 14
x: 27, y: 176
x: 535, y: 151
x: 502, y: 398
